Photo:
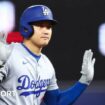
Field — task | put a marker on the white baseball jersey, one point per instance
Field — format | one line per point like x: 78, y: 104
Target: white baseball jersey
x: 26, y: 77
x: 5, y: 50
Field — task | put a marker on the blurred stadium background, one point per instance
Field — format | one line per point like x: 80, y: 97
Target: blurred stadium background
x: 81, y: 26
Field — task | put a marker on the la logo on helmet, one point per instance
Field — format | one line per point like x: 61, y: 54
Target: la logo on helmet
x: 45, y: 11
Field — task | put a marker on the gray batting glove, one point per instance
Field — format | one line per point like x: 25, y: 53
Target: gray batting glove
x: 87, y: 67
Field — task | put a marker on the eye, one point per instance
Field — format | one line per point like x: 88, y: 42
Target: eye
x: 49, y: 26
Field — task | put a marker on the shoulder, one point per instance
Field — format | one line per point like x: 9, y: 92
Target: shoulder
x: 45, y: 58
x: 6, y: 50
x: 15, y: 51
x: 47, y: 61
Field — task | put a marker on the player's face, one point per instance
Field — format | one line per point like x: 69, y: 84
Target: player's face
x: 42, y: 33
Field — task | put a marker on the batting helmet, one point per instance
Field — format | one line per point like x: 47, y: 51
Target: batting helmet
x: 34, y: 13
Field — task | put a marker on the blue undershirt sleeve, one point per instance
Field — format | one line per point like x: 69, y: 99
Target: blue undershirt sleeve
x: 66, y: 97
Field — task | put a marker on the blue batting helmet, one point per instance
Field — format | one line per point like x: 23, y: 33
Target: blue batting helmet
x: 34, y: 13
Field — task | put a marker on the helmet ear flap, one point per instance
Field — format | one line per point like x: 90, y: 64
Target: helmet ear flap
x: 26, y: 30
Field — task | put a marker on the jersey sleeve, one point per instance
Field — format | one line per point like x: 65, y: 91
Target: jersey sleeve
x: 53, y: 83
x: 5, y: 51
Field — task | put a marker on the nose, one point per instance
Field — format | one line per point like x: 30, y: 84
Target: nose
x: 46, y: 32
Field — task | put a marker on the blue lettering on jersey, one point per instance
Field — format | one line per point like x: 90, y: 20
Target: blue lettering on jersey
x: 37, y: 86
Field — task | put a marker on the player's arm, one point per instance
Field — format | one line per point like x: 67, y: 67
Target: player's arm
x: 5, y: 51
x: 69, y: 96
x: 66, y: 97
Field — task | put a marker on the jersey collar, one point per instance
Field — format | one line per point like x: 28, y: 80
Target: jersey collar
x: 37, y: 57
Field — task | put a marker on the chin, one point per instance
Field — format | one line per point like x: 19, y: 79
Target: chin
x: 44, y: 44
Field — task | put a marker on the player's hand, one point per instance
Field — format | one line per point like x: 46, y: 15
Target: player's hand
x: 87, y: 67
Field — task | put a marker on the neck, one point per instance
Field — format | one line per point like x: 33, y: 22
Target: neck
x: 32, y: 47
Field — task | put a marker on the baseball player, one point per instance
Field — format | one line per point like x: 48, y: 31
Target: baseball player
x: 29, y: 73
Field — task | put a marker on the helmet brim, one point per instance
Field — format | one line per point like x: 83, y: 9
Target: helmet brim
x: 53, y: 22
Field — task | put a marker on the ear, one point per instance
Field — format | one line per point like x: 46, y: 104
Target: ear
x: 26, y: 30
